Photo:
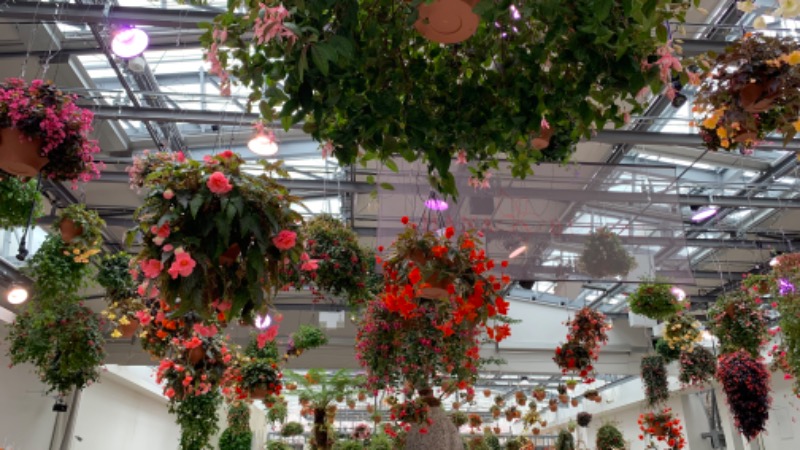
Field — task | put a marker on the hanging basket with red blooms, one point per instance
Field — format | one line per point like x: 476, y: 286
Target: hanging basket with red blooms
x: 784, y: 282
x: 738, y: 321
x: 213, y: 234
x: 574, y: 357
x: 439, y: 302
x: 661, y: 428
x: 698, y: 367
x: 43, y: 130
x: 745, y: 381
x: 654, y: 377
x: 587, y: 332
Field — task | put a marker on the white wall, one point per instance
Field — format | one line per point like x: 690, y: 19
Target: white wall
x: 27, y: 416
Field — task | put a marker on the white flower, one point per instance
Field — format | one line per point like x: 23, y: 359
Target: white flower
x: 746, y: 6
x: 759, y: 23
x: 789, y: 8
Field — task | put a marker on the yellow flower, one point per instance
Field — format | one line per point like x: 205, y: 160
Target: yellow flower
x: 746, y: 6
x: 123, y: 320
x: 76, y: 251
x: 789, y: 8
x: 92, y: 252
x: 796, y: 126
x: 725, y: 143
x: 722, y: 133
x: 711, y: 122
x: 112, y: 316
x: 760, y: 23
x: 116, y: 334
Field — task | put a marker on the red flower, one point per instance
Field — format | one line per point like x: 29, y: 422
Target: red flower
x: 449, y: 232
x: 404, y: 219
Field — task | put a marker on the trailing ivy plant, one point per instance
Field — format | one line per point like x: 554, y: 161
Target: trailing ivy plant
x: 197, y: 417
x: 19, y: 199
x: 365, y: 83
x: 238, y: 435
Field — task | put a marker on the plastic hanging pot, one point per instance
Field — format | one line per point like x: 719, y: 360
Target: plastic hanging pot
x: 69, y: 230
x: 19, y: 155
x: 447, y: 21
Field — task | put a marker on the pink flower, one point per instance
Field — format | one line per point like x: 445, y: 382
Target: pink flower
x: 183, y: 265
x: 461, y: 157
x: 169, y: 392
x: 310, y: 265
x: 226, y: 154
x: 143, y: 317
x: 267, y: 336
x: 327, y: 149
x: 206, y: 331
x: 194, y: 342
x: 285, y: 240
x: 168, y: 194
x: 151, y: 268
x: 218, y: 183
x: 162, y: 231
x: 168, y: 248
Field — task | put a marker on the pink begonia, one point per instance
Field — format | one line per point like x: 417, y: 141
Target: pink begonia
x: 205, y: 331
x: 267, y: 336
x: 168, y: 248
x: 143, y: 317
x: 285, y: 240
x: 151, y: 268
x: 327, y: 149
x: 168, y: 194
x: 218, y: 183
x: 309, y: 265
x: 461, y: 157
x: 221, y: 305
x: 183, y: 265
x: 162, y: 231
x: 544, y: 123
x: 194, y: 342
x: 480, y: 183
x: 269, y: 25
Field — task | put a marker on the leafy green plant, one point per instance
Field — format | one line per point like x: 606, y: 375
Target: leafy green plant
x: 698, y: 367
x: 56, y: 273
x: 88, y: 242
x: 665, y: 351
x: 459, y: 418
x: 19, y: 200
x: 604, y: 255
x: 212, y: 230
x: 306, y: 337
x: 278, y: 445
x: 487, y: 97
x: 114, y: 274
x: 291, y: 429
x: 62, y: 339
x: 654, y: 299
x: 278, y: 411
x: 238, y: 435
x: 261, y: 374
x: 738, y: 322
x: 609, y: 438
x: 348, y: 444
x: 654, y: 378
x: 380, y: 441
x: 197, y: 417
x: 565, y: 441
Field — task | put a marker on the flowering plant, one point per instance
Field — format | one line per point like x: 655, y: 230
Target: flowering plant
x: 745, y: 381
x: 610, y: 438
x: 197, y: 366
x: 584, y: 419
x: 197, y: 417
x: 682, y: 332
x: 738, y: 322
x: 285, y: 51
x: 260, y: 370
x: 697, y: 367
x: 565, y: 441
x: 123, y: 302
x: 604, y: 256
x: 654, y: 299
x: 19, y: 199
x: 662, y: 426
x: 238, y: 435
x: 335, y: 263
x: 668, y: 353
x: 404, y: 338
x: 62, y: 339
x: 90, y: 236
x: 783, y: 284
x: 753, y: 92
x: 587, y: 332
x: 654, y: 377
x: 40, y: 111
x: 575, y: 357
x: 214, y: 235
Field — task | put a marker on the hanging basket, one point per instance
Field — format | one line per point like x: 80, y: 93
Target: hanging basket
x: 436, y: 286
x: 259, y: 393
x: 19, y: 155
x: 196, y: 355
x: 447, y: 21
x: 753, y: 99
x: 542, y: 140
x: 69, y: 230
x: 128, y: 330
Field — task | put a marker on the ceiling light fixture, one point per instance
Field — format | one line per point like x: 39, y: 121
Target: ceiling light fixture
x: 705, y: 213
x: 436, y: 204
x: 17, y: 294
x: 263, y: 144
x: 129, y: 42
x: 263, y: 322
x: 518, y: 251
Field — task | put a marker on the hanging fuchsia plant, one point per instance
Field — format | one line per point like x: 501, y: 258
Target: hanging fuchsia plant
x: 745, y: 381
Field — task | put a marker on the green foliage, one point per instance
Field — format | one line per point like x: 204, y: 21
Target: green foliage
x: 197, y: 417
x: 348, y: 444
x: 610, y: 438
x: 654, y: 299
x: 604, y: 256
x: 278, y: 445
x: 291, y: 429
x: 698, y: 367
x: 269, y: 351
x: 565, y: 441
x: 55, y: 274
x: 114, y: 275
x: 238, y: 435
x: 737, y: 320
x: 18, y: 198
x: 90, y: 239
x: 654, y: 378
x: 362, y: 78
x: 278, y: 411
x: 62, y: 339
x: 238, y: 235
x: 492, y: 441
x: 260, y: 373
x: 515, y: 443
x: 459, y: 418
x: 321, y: 388
x: 308, y: 337
x: 476, y: 443
x: 380, y: 441
x: 665, y: 351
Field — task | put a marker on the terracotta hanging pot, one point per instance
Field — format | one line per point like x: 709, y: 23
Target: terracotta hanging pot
x: 436, y: 285
x: 542, y: 140
x: 69, y: 230
x: 447, y: 21
x: 21, y: 158
x: 128, y: 330
x: 553, y: 407
x: 536, y: 431
x: 196, y: 355
x: 745, y: 137
x: 230, y: 255
x: 563, y: 398
x: 574, y: 402
x: 659, y: 430
x: 259, y: 393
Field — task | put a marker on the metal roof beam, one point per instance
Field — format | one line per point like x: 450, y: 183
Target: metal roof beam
x: 99, y: 14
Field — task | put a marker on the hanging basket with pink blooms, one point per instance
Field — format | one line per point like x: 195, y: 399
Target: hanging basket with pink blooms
x: 214, y: 236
